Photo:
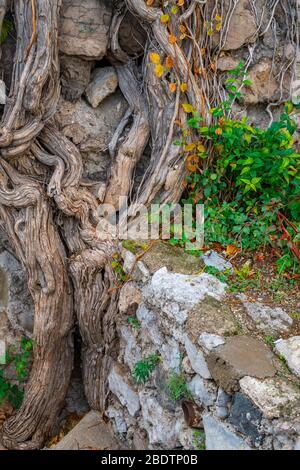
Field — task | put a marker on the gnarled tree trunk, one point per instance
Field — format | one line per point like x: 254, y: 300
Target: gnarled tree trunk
x: 50, y: 215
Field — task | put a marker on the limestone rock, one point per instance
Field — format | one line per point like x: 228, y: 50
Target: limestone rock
x: 246, y: 418
x: 117, y: 415
x: 161, y: 425
x: 104, y: 83
x: 176, y: 294
x: 196, y: 358
x: 264, y: 84
x: 267, y: 319
x: 130, y: 295
x: 211, y: 258
x: 222, y: 404
x: 219, y: 436
x: 132, y: 351
x: 91, y: 433
x: 84, y: 28
x: 213, y: 317
x: 120, y: 386
x: 226, y: 62
x: 209, y: 341
x: 240, y: 356
x: 290, y: 350
x: 274, y: 397
x: 242, y: 27
x: 75, y: 76
x: 204, y: 391
x: 91, y: 130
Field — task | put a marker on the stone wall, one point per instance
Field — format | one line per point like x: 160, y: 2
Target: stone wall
x: 243, y: 394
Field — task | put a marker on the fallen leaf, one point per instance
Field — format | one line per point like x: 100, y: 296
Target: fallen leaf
x: 232, y: 250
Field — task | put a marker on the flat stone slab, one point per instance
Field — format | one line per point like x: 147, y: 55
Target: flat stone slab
x: 213, y: 317
x: 290, y: 350
x: 240, y: 356
x: 274, y: 397
x: 91, y: 433
x: 219, y: 436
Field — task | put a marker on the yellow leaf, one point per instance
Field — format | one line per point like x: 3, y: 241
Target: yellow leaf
x: 164, y: 19
x: 172, y: 87
x: 183, y: 87
x: 188, y: 108
x: 172, y: 38
x: 210, y: 32
x: 174, y: 10
x: 189, y: 147
x: 201, y: 148
x: 218, y: 27
x: 169, y: 62
x: 155, y: 58
x: 218, y: 18
x: 159, y: 70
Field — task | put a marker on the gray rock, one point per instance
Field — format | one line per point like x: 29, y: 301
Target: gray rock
x: 196, y: 358
x: 91, y: 130
x: 274, y: 397
x: 290, y: 350
x: 242, y: 26
x: 246, y: 418
x: 129, y: 261
x: 220, y: 436
x: 176, y: 294
x: 15, y: 299
x: 267, y: 319
x: 209, y: 341
x: 104, y: 83
x: 119, y: 384
x: 132, y: 351
x: 130, y: 295
x: 162, y: 426
x: 117, y: 416
x: 211, y: 258
x: 240, y: 356
x: 84, y: 28
x: 297, y: 445
x: 222, y: 404
x: 204, y: 392
x: 75, y: 76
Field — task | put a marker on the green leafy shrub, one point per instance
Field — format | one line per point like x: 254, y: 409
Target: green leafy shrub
x: 248, y: 178
x: 144, y: 368
x: 17, y: 359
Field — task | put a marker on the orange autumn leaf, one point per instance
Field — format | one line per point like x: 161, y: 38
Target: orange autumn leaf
x: 172, y: 38
x: 232, y: 250
x: 182, y: 29
x: 149, y: 3
x: 180, y: 3
x: 192, y: 163
x: 169, y: 62
x: 172, y: 87
x: 219, y: 131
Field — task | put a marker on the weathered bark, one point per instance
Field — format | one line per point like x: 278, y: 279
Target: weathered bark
x: 53, y: 227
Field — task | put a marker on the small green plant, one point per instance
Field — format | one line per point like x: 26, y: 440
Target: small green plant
x: 117, y: 266
x: 269, y: 340
x: 144, y: 368
x: 134, y: 246
x: 199, y: 440
x: 134, y: 322
x: 18, y: 358
x: 177, y: 388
